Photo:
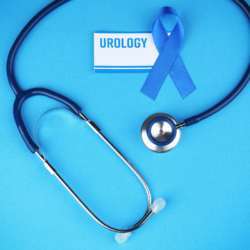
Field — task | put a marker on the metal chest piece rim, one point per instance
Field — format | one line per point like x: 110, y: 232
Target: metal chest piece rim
x: 159, y: 133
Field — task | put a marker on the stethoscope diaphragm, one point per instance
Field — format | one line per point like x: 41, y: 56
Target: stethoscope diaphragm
x: 159, y: 133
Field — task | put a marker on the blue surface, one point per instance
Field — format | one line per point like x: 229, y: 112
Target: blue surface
x: 205, y: 180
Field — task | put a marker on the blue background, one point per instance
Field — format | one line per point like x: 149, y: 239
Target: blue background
x: 205, y: 180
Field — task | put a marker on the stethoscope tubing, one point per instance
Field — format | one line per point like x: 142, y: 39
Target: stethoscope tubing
x: 236, y: 91
x: 21, y: 96
x: 23, y: 34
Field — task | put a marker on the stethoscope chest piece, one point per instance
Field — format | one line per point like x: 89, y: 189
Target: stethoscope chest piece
x: 159, y: 133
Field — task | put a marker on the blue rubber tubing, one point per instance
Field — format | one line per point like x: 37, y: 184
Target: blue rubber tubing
x: 242, y: 84
x: 21, y: 95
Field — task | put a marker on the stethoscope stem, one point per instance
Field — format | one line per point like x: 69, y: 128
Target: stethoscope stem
x: 181, y: 125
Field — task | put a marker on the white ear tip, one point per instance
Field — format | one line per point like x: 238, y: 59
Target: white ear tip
x: 122, y: 237
x: 158, y: 205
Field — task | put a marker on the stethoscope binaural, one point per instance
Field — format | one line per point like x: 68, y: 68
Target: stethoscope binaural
x: 160, y: 132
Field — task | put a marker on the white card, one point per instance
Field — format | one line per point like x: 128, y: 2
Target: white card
x: 124, y: 52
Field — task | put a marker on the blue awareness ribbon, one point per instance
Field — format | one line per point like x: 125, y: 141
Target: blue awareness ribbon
x: 168, y: 61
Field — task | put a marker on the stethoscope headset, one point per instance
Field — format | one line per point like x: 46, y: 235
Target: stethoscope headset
x: 160, y: 132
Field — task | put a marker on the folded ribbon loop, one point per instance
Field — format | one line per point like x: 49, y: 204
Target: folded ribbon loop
x: 168, y: 61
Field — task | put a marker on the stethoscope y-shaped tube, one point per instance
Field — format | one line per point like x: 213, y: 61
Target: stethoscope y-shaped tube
x: 21, y: 96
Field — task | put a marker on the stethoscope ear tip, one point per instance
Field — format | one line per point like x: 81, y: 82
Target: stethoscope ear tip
x: 122, y: 237
x: 159, y: 133
x: 158, y: 205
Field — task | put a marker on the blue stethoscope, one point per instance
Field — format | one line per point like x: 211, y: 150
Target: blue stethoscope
x: 160, y: 132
